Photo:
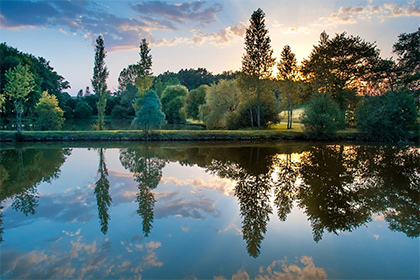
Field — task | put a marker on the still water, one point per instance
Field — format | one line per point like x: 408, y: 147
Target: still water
x: 209, y: 211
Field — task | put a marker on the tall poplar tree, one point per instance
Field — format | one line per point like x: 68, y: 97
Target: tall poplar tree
x: 100, y: 74
x: 144, y: 78
x: 258, y: 58
x: 288, y: 73
x: 20, y: 82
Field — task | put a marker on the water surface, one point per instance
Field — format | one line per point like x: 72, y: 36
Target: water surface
x: 209, y: 211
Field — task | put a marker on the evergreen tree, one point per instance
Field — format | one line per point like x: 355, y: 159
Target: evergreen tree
x: 150, y: 113
x: 100, y: 74
x: 20, y: 82
x: 288, y: 73
x: 258, y: 58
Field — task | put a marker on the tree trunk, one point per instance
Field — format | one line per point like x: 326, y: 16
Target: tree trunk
x: 252, y: 118
x: 19, y: 116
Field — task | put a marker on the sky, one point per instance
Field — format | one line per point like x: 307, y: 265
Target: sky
x: 188, y: 34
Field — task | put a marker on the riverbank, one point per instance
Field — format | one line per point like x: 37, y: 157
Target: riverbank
x: 174, y: 135
x: 165, y: 135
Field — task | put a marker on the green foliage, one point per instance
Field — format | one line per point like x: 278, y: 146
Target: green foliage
x: 222, y: 102
x: 50, y: 115
x: 20, y: 83
x: 193, y: 100
x: 408, y: 50
x: 193, y: 78
x: 390, y: 117
x: 83, y: 110
x: 150, y: 113
x: 321, y: 118
x: 173, y: 103
x: 100, y: 74
x: 45, y: 78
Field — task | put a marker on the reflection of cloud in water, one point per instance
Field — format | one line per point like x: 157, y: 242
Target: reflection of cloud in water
x: 281, y: 269
x: 62, y: 264
x: 185, y: 206
x: 223, y: 186
x: 76, y: 206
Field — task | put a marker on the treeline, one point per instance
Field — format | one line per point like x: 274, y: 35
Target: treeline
x: 344, y: 82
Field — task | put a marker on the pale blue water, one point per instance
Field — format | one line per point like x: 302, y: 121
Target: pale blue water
x: 209, y: 211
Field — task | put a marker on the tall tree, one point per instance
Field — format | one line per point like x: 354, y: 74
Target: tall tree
x: 20, y: 83
x: 408, y: 50
x: 100, y: 74
x: 341, y: 67
x: 103, y: 198
x: 144, y: 79
x: 288, y: 73
x: 258, y: 58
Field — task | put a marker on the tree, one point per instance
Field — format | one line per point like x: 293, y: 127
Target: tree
x: 20, y: 83
x: 194, y: 99
x: 390, y: 117
x: 144, y: 79
x: 288, y: 73
x: 193, y: 78
x: 258, y: 58
x: 408, y: 50
x: 50, y: 115
x: 221, y: 104
x: 83, y: 110
x: 173, y: 103
x: 100, y: 74
x: 150, y: 113
x: 103, y: 197
x: 341, y: 67
x: 45, y: 78
x: 321, y: 117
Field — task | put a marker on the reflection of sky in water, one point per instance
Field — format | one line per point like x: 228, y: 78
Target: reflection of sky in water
x: 196, y: 232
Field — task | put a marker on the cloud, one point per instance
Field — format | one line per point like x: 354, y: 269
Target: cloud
x: 222, y: 37
x: 221, y: 185
x: 280, y: 270
x: 350, y: 14
x: 96, y: 264
x: 169, y: 15
x: 91, y: 19
x: 185, y: 207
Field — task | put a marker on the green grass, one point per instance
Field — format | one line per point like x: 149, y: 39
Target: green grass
x: 275, y: 132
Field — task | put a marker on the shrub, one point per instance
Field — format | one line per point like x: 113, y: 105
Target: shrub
x: 321, y: 118
x: 390, y: 117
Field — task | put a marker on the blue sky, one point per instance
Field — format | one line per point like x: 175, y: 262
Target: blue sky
x: 188, y: 34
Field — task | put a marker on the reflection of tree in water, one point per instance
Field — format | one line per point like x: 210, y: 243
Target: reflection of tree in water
x: 147, y: 171
x: 284, y: 181
x: 392, y: 185
x: 22, y: 170
x: 103, y: 198
x: 252, y: 192
x: 340, y: 187
x: 328, y: 194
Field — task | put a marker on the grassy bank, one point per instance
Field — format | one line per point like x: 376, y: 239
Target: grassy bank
x: 166, y: 135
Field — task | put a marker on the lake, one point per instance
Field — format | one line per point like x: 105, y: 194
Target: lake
x: 276, y: 210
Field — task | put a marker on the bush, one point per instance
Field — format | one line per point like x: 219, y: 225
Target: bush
x: 321, y: 118
x: 390, y: 117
